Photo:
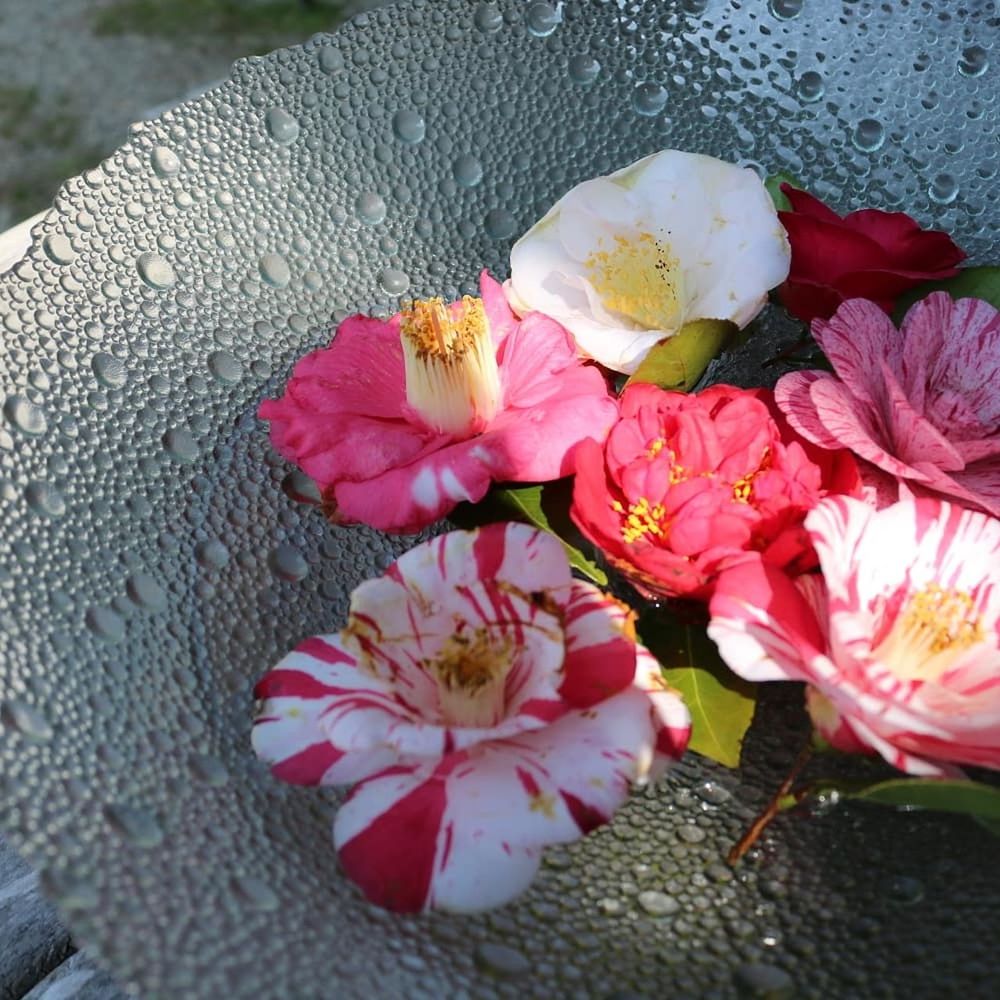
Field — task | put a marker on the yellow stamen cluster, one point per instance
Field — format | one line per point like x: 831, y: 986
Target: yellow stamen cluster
x: 471, y: 671
x: 640, y: 519
x: 935, y: 628
x: 743, y: 487
x: 452, y: 379
x: 639, y: 280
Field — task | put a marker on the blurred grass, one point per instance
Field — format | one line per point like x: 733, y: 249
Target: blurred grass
x: 261, y: 24
x: 51, y: 137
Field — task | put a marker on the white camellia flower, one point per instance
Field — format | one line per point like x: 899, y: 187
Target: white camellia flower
x: 624, y: 261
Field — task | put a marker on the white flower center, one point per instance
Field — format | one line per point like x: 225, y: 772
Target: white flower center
x: 452, y: 379
x: 640, y: 280
x: 935, y: 627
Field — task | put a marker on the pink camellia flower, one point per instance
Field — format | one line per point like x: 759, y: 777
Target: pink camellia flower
x: 399, y: 421
x: 686, y: 485
x: 922, y: 403
x: 484, y: 704
x: 900, y: 647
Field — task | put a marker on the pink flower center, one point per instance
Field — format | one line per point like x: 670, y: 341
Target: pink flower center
x: 934, y: 628
x: 452, y: 378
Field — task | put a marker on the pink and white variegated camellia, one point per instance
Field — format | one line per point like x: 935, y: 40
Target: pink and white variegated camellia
x: 920, y: 405
x: 484, y: 704
x: 398, y: 421
x: 900, y: 647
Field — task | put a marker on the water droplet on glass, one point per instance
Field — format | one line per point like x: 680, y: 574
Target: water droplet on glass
x: 135, y: 825
x: 713, y: 792
x: 543, y: 19
x: 974, y: 61
x: 212, y: 554
x: 225, y: 367
x: 785, y: 10
x: 281, y: 125
x: 25, y: 415
x: 695, y: 6
x: 180, y: 444
x: 255, y: 893
x: 106, y: 624
x: 500, y: 224
x: 649, y: 98
x: 584, y: 69
x: 274, y: 270
x: 811, y: 86
x: 408, y: 126
x: 288, y: 563
x: 468, y: 170
x: 371, y: 208
x: 109, y: 370
x: 331, y: 60
x: 155, y: 271
x: 943, y: 189
x: 502, y: 959
x: 488, y: 17
x: 394, y: 282
x: 165, y: 161
x: 26, y: 719
x: 58, y: 249
x: 760, y: 980
x: 145, y: 592
x: 869, y: 135
x: 906, y: 889
x: 301, y: 488
x: 658, y: 904
x: 45, y: 499
x: 209, y: 769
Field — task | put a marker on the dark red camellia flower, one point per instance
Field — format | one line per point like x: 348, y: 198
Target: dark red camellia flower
x: 688, y: 485
x: 865, y: 255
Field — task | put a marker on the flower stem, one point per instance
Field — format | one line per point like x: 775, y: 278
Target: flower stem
x: 779, y: 802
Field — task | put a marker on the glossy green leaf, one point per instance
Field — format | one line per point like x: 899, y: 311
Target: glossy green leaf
x: 773, y: 185
x: 679, y: 361
x: 970, y: 797
x: 721, y: 704
x: 969, y: 283
x: 543, y: 505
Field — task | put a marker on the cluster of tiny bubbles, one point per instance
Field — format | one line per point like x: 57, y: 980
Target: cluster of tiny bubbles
x: 158, y: 555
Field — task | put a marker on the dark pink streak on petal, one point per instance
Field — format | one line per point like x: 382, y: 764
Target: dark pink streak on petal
x: 489, y: 550
x: 392, y: 860
x: 308, y: 766
x: 293, y: 684
x: 319, y: 648
x: 586, y: 817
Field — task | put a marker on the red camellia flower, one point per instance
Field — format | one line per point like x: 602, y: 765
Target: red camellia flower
x: 688, y: 485
x: 868, y: 255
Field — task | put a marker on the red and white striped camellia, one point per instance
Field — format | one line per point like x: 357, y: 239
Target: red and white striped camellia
x: 899, y: 640
x: 484, y: 704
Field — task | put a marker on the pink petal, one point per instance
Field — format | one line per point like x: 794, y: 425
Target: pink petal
x: 764, y: 625
x: 600, y: 646
x: 290, y: 732
x: 498, y: 312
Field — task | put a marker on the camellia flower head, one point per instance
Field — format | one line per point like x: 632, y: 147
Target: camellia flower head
x: 624, y: 261
x: 868, y: 254
x: 899, y: 639
x: 922, y: 403
x: 399, y: 421
x: 485, y: 703
x: 687, y: 485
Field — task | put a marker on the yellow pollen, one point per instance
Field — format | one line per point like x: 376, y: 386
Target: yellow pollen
x: 452, y: 379
x: 743, y: 487
x: 932, y: 631
x: 640, y: 520
x: 470, y: 661
x: 544, y: 804
x: 655, y: 447
x: 639, y: 280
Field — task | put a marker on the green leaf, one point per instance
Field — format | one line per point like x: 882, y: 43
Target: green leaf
x: 678, y: 361
x: 543, y: 505
x: 721, y: 704
x: 773, y: 185
x: 969, y: 283
x: 970, y: 797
